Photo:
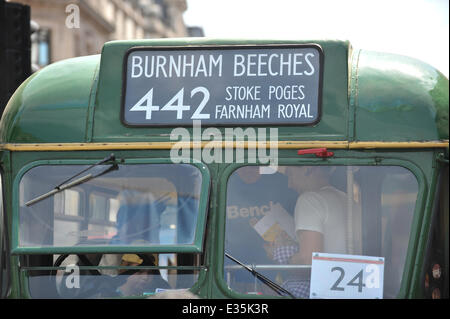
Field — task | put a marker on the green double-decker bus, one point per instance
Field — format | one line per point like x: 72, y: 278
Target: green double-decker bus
x: 228, y: 169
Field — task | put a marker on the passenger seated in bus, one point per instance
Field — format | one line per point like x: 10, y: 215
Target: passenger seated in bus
x: 250, y: 196
x: 138, y: 224
x: 142, y: 281
x: 320, y: 215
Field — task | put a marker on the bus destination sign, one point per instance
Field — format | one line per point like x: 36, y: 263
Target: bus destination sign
x: 267, y: 85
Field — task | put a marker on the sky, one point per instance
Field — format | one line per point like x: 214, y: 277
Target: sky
x: 415, y: 28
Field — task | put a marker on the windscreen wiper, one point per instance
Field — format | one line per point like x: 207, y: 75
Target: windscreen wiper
x: 277, y: 288
x: 65, y: 185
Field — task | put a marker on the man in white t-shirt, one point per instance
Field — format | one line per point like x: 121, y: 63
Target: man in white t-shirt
x: 320, y: 212
x: 320, y: 218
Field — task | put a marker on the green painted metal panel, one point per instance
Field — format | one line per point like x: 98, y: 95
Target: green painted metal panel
x: 108, y: 126
x: 51, y: 105
x: 398, y: 98
x: 391, y: 98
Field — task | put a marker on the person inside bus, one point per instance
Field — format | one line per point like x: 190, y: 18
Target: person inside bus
x: 138, y: 218
x: 320, y: 216
x: 142, y: 281
x: 138, y: 224
x: 250, y: 196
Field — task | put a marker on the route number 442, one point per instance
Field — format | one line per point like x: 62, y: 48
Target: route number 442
x: 176, y: 104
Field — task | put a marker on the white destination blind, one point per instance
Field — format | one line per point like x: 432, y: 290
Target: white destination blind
x: 222, y: 86
x: 346, y: 276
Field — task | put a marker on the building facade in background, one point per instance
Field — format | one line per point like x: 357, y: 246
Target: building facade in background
x: 70, y: 28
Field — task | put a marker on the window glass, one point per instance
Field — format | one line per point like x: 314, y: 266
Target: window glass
x: 67, y: 203
x: 40, y: 47
x: 250, y: 196
x: 274, y: 222
x: 131, y: 205
x: 114, y: 275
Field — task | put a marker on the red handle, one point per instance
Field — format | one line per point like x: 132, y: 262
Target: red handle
x: 319, y: 152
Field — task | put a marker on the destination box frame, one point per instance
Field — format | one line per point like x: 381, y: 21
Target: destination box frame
x: 217, y: 48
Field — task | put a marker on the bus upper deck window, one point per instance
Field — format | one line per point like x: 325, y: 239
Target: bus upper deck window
x: 276, y: 222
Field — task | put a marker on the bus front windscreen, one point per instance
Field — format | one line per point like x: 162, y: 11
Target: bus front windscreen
x: 132, y: 205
